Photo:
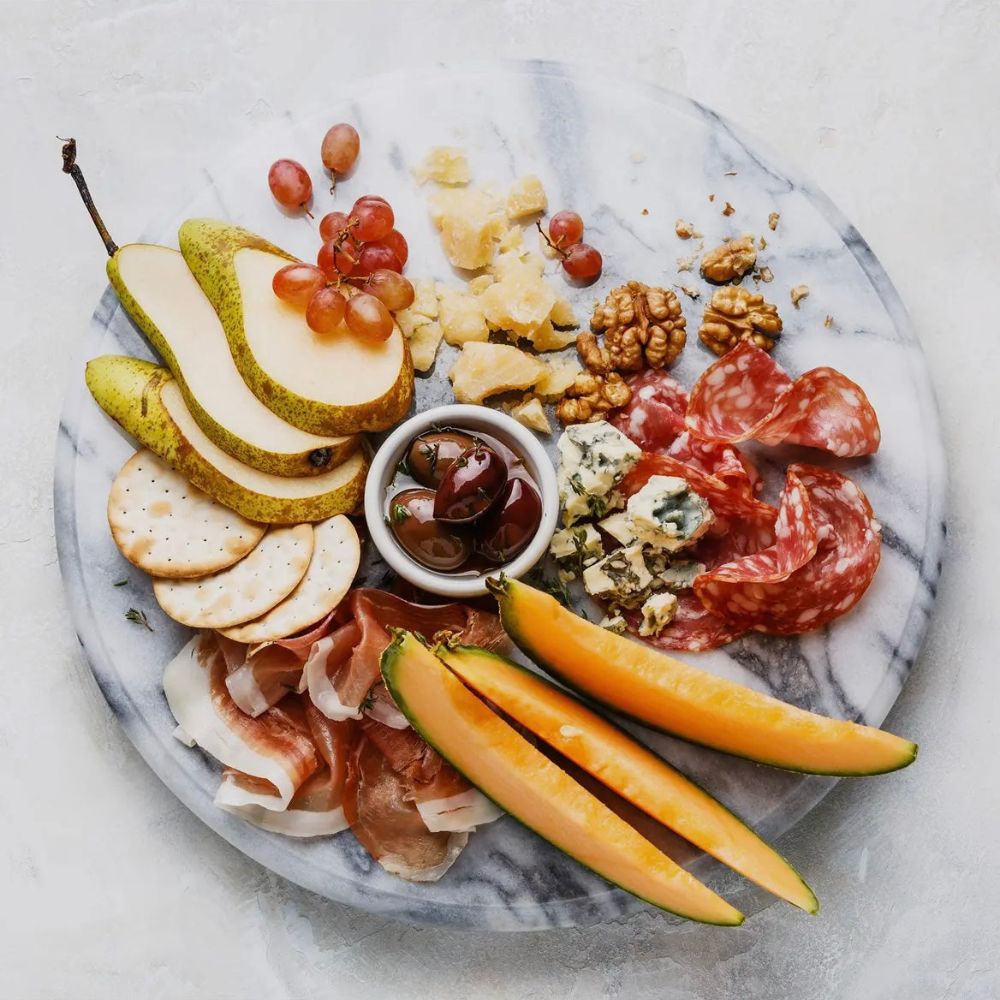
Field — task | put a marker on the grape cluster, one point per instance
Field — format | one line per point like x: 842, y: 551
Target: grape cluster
x: 363, y: 254
x: 579, y: 260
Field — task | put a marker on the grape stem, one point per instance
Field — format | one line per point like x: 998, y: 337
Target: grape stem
x: 545, y: 236
x: 71, y: 167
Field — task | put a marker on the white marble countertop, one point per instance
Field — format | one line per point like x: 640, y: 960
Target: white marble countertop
x: 111, y: 888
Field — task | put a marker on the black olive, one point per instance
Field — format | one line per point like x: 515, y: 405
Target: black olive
x: 431, y: 543
x: 431, y: 455
x: 471, y: 485
x: 511, y: 523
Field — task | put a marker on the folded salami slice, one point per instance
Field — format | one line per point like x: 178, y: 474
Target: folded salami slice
x: 654, y: 420
x: 746, y: 396
x: 825, y: 554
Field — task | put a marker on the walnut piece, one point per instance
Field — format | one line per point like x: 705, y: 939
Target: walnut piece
x: 730, y: 260
x: 735, y: 314
x: 799, y: 292
x: 685, y: 230
x: 772, y: 221
x: 643, y: 326
x: 728, y: 210
x: 591, y: 397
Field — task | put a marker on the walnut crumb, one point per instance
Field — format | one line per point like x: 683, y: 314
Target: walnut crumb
x: 728, y: 210
x: 762, y: 243
x: 711, y: 197
x: 685, y: 230
x: 765, y: 274
x: 690, y: 291
x: 686, y: 263
x: 799, y: 292
x: 730, y: 260
x: 828, y: 322
x: 729, y: 173
x: 772, y: 221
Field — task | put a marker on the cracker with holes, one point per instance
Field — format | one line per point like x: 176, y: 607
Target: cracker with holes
x: 169, y: 528
x: 335, y: 559
x: 247, y: 589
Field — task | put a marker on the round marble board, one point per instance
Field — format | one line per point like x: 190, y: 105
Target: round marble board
x: 631, y: 159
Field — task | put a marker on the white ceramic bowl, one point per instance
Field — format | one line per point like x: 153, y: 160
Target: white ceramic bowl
x: 462, y: 417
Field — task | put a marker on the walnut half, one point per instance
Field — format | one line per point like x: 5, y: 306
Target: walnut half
x: 591, y: 397
x: 642, y: 325
x: 731, y: 260
x: 735, y: 314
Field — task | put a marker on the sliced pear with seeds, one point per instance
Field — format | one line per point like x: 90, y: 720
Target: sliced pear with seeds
x: 336, y: 384
x: 147, y: 402
x: 161, y: 295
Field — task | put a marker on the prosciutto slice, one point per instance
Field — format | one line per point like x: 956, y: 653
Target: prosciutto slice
x: 376, y: 611
x: 271, y: 746
x: 747, y: 396
x: 825, y: 555
x: 317, y: 808
x: 386, y: 821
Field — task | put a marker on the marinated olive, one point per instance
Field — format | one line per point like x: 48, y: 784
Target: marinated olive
x: 431, y: 543
x: 512, y: 522
x: 471, y: 485
x: 432, y: 454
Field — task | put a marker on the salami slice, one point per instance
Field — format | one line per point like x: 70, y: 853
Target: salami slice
x: 747, y: 396
x: 693, y: 630
x: 825, y: 554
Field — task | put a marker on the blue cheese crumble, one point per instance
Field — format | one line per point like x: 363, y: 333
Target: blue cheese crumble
x: 620, y: 578
x: 580, y: 545
x: 594, y: 459
x: 657, y: 613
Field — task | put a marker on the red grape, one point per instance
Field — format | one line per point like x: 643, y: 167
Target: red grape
x: 367, y: 317
x: 332, y: 225
x: 375, y: 256
x: 582, y: 261
x: 565, y: 229
x: 374, y: 220
x: 340, y: 148
x: 336, y: 258
x: 370, y: 197
x: 325, y: 311
x: 396, y: 242
x: 298, y: 283
x: 289, y: 183
x: 390, y: 288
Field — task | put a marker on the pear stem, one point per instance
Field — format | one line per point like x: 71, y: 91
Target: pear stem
x: 71, y: 167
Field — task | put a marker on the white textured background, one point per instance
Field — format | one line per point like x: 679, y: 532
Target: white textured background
x: 108, y: 888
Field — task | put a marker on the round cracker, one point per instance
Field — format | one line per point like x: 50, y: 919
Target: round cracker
x: 335, y: 560
x: 166, y: 526
x: 246, y: 590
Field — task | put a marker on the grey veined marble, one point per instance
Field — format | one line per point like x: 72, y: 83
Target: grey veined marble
x: 631, y: 159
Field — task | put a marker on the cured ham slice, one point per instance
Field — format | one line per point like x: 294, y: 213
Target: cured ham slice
x: 272, y: 746
x: 375, y: 612
x: 825, y: 555
x: 747, y: 396
x: 258, y: 679
x: 655, y: 420
x: 317, y: 808
x: 327, y: 657
x: 387, y: 822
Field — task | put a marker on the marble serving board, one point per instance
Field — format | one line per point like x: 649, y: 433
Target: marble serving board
x: 631, y: 159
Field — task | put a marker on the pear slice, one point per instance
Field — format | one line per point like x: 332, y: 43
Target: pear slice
x: 325, y: 385
x: 147, y: 402
x: 160, y: 294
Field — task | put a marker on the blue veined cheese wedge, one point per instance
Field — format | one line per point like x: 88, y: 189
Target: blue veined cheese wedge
x: 582, y: 543
x: 593, y: 460
x: 667, y: 514
x: 677, y: 575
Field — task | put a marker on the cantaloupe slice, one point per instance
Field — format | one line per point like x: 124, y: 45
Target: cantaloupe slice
x: 627, y: 767
x: 506, y: 768
x: 687, y: 702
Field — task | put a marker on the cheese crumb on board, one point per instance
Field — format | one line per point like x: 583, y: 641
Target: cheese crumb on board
x: 526, y: 198
x: 445, y: 165
x: 531, y: 414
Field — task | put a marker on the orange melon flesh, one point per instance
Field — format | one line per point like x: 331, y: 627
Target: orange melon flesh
x: 506, y: 768
x: 679, y: 699
x: 628, y: 768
